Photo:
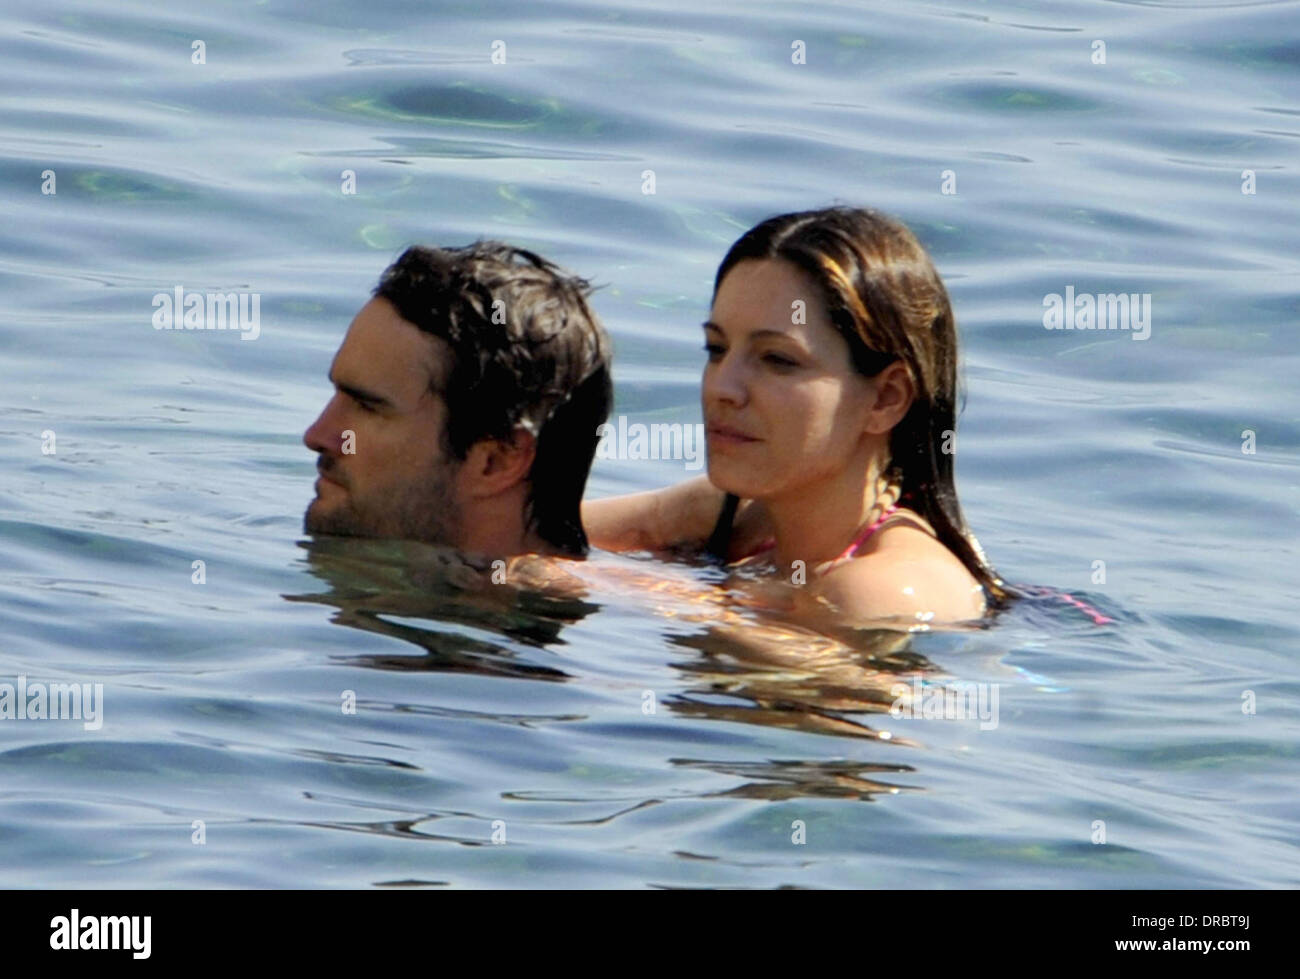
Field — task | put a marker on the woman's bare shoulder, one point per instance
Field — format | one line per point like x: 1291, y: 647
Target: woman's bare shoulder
x: 912, y: 584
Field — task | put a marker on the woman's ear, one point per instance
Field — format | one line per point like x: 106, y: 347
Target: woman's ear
x: 894, y: 393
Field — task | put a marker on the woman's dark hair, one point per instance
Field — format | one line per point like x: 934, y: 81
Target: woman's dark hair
x: 526, y: 351
x: 886, y: 299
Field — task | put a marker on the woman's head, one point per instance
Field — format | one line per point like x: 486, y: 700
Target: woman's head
x: 832, y: 355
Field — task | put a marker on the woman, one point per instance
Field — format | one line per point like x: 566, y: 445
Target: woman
x: 828, y: 401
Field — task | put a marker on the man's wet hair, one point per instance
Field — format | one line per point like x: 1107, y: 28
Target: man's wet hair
x: 526, y: 351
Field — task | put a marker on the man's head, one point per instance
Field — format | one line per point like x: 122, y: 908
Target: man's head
x: 472, y: 385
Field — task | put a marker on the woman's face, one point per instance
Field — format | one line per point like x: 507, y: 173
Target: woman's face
x: 783, y: 406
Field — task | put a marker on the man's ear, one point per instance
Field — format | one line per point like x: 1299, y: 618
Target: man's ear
x: 894, y: 394
x: 493, y: 466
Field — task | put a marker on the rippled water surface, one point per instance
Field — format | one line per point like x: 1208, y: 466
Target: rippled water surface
x: 523, y: 715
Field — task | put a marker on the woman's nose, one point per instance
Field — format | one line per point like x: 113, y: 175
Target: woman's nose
x: 725, y: 380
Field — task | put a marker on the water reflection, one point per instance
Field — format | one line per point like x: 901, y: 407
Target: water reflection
x: 749, y: 663
x: 783, y: 675
x: 775, y: 781
x: 375, y: 583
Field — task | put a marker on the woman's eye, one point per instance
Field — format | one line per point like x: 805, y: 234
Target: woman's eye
x: 366, y: 406
x: 778, y: 361
x: 714, y: 350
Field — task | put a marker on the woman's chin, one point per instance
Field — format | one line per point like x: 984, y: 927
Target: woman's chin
x: 726, y: 479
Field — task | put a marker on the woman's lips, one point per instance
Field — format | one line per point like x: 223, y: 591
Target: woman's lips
x: 725, y: 435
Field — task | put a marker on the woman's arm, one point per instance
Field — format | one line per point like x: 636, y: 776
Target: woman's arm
x: 654, y: 520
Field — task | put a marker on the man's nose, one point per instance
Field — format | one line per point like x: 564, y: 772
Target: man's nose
x: 323, y: 435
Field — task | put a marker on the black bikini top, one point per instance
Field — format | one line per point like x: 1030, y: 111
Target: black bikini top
x: 716, y: 548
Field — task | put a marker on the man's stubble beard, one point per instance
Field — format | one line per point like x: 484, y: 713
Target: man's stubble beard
x: 423, y: 510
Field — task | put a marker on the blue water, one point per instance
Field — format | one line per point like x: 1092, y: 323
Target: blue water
x: 524, y: 716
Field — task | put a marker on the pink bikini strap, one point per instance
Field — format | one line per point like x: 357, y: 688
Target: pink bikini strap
x: 862, y: 537
x: 852, y: 549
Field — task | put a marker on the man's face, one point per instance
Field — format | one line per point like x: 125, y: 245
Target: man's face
x: 389, y: 478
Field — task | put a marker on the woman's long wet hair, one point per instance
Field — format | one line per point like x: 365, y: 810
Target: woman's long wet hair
x: 886, y: 299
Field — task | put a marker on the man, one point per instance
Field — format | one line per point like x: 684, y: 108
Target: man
x: 468, y: 392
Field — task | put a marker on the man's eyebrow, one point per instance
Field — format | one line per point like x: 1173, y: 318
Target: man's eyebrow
x: 710, y: 325
x: 361, y: 394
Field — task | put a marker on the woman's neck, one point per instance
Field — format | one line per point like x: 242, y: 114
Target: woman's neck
x: 816, y: 524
